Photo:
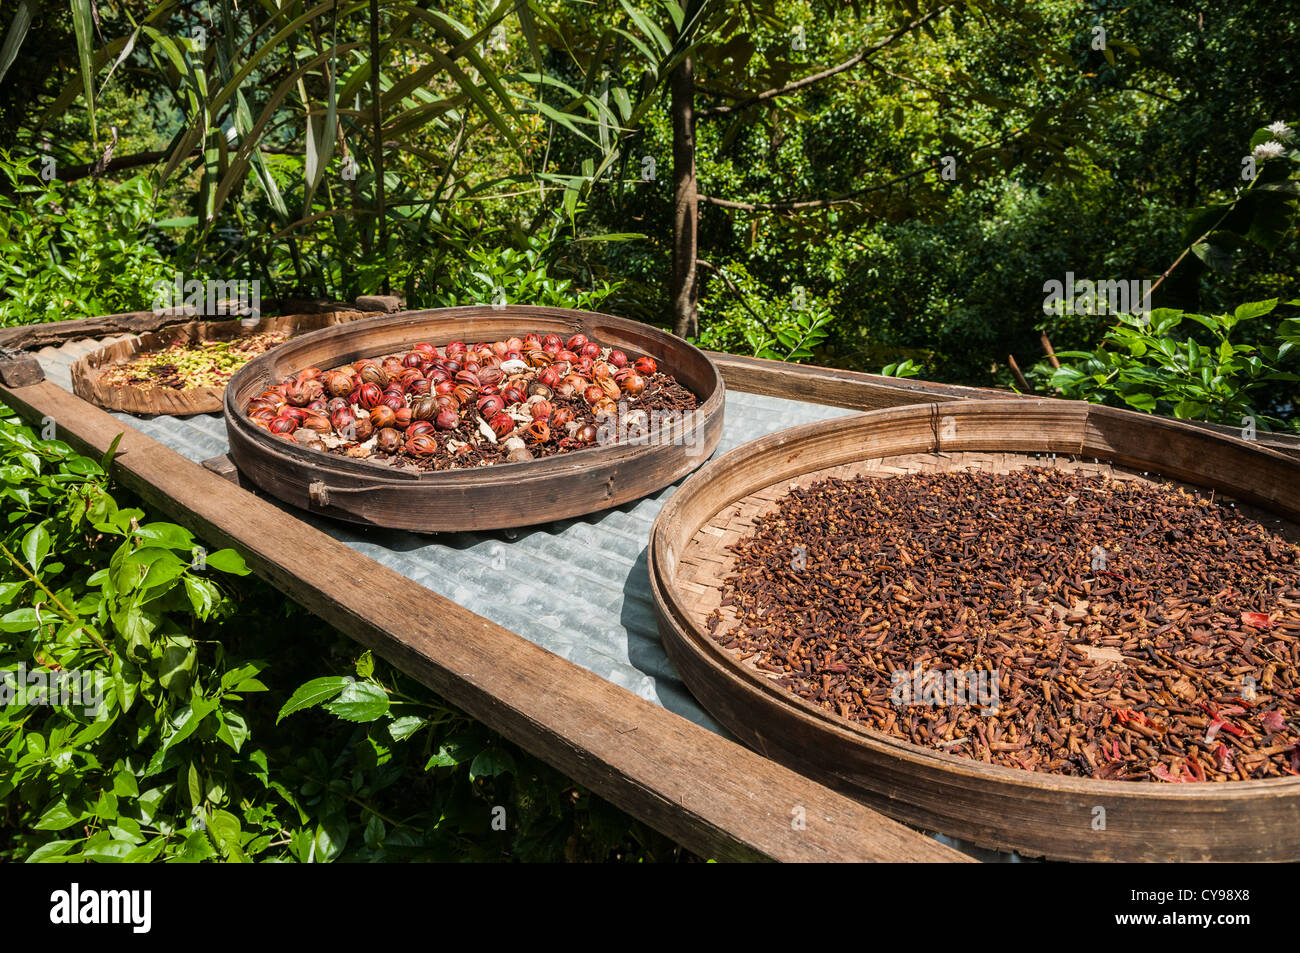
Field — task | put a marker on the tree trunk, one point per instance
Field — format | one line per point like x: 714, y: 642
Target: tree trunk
x: 686, y: 204
x: 376, y: 55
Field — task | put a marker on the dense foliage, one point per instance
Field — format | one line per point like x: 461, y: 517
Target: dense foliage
x: 150, y: 710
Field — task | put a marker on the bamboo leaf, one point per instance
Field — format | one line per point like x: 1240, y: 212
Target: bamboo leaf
x: 86, y: 56
x: 17, y: 32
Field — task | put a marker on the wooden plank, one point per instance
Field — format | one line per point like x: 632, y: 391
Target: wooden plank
x: 224, y: 467
x: 33, y: 336
x: 706, y: 792
x: 826, y: 385
x: 857, y: 391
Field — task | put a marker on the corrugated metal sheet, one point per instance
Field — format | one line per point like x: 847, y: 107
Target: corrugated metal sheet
x: 577, y: 587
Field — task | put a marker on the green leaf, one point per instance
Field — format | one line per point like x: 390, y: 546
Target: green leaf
x: 202, y: 594
x: 58, y: 816
x: 19, y: 620
x: 1254, y: 309
x: 36, y: 545
x: 316, y: 692
x: 491, y: 762
x: 227, y: 560
x: 124, y: 785
x: 81, y: 22
x: 402, y: 728
x: 366, y: 664
x: 17, y: 31
x: 107, y: 459
x: 167, y: 535
x: 184, y: 724
x: 331, y: 838
x: 51, y: 851
x: 360, y: 701
x: 225, y: 830
x: 178, y: 664
x: 233, y: 730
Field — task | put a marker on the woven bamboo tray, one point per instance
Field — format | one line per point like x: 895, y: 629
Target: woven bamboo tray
x: 495, y: 497
x: 1036, y: 813
x: 133, y: 399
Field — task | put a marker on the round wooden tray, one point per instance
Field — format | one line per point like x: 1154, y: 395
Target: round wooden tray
x: 194, y: 400
x: 496, y: 497
x: 1038, y: 814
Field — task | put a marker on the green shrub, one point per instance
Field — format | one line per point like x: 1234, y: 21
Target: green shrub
x: 1143, y: 365
x: 182, y: 739
x: 74, y: 250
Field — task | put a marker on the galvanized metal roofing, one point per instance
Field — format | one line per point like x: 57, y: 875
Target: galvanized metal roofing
x: 578, y: 587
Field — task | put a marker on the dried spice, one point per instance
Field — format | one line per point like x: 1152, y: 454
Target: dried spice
x: 1112, y: 629
x: 181, y: 366
x: 462, y: 406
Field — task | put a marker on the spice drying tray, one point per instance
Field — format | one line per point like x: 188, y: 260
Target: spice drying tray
x: 1036, y: 813
x: 496, y: 497
x: 88, y: 371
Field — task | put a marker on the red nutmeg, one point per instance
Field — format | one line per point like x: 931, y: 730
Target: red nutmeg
x: 421, y: 445
x: 383, y: 416
x: 491, y: 405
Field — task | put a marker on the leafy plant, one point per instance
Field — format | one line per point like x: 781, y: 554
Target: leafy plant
x: 73, y: 250
x: 1142, y: 364
x: 904, y: 368
x: 141, y: 721
x: 487, y: 275
x: 754, y: 323
x: 1263, y: 213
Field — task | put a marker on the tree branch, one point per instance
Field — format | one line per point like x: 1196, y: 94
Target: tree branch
x: 812, y: 78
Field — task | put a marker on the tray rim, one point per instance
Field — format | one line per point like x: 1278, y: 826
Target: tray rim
x: 673, y: 530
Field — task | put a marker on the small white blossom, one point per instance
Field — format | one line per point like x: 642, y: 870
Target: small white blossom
x: 1268, y: 150
x: 1281, y: 130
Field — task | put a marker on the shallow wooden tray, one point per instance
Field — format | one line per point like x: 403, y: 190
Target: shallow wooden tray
x: 194, y: 400
x: 1035, y: 813
x: 495, y: 497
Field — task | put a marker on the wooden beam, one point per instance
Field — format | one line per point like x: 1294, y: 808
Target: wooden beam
x: 826, y: 385
x: 857, y: 391
x: 31, y: 337
x: 708, y: 793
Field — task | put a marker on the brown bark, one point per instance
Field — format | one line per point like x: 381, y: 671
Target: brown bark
x: 686, y: 202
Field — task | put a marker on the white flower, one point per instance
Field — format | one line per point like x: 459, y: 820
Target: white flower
x: 1281, y: 130
x: 1268, y: 150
